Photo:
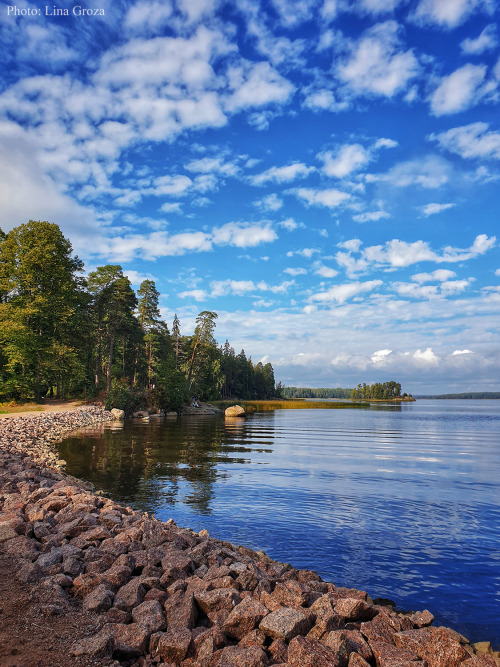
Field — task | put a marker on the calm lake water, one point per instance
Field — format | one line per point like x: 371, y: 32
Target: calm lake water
x: 400, y: 501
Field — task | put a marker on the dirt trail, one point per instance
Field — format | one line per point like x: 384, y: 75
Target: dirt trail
x: 49, y: 405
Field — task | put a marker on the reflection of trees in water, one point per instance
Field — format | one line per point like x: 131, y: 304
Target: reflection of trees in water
x: 154, y: 464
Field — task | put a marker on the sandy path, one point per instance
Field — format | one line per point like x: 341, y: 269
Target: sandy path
x: 50, y: 405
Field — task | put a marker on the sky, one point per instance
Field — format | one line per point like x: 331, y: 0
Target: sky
x: 323, y: 174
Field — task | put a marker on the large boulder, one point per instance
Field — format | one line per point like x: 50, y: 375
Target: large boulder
x: 118, y: 414
x: 235, y: 411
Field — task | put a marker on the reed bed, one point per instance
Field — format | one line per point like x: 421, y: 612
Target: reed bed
x: 295, y: 404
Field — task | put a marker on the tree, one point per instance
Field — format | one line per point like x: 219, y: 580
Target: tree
x: 149, y: 320
x: 176, y: 336
x: 203, y: 342
x: 114, y: 302
x: 42, y: 303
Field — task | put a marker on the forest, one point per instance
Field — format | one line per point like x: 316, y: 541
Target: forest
x: 378, y: 390
x: 318, y: 392
x: 66, y: 335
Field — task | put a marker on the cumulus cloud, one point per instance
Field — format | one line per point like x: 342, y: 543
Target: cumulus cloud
x: 270, y: 203
x: 439, y: 274
x: 458, y: 352
x: 377, y: 63
x: 324, y: 271
x: 349, y: 158
x: 433, y: 209
x: 341, y: 293
x: 380, y: 356
x: 282, y: 174
x: 398, y: 254
x: 430, y: 172
x: 243, y: 235
x: 426, y: 356
x: 486, y: 41
x: 470, y: 141
x: 446, y: 13
x: 459, y: 91
x: 371, y: 216
x: 330, y: 198
x: 256, y: 85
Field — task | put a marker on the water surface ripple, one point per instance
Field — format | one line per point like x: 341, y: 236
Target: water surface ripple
x: 401, y: 501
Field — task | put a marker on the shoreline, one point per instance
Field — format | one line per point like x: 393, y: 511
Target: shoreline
x: 158, y: 594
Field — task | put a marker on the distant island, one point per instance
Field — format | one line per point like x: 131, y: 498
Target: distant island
x: 468, y: 394
x: 379, y: 391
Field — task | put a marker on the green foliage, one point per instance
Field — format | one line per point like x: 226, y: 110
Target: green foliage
x: 124, y: 397
x: 306, y: 392
x: 62, y: 335
x: 378, y: 391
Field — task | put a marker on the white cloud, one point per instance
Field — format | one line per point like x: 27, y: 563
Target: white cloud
x: 282, y: 174
x: 330, y: 198
x: 341, y: 293
x: 256, y: 85
x: 270, y: 203
x: 377, y: 65
x: 380, y: 356
x: 433, y: 209
x: 446, y: 13
x: 196, y: 294
x: 295, y: 272
x: 399, y: 254
x: 243, y: 235
x: 290, y: 224
x: 470, y: 141
x: 426, y: 357
x: 148, y: 17
x: 304, y: 252
x: 325, y: 271
x: 371, y: 216
x: 429, y: 172
x: 324, y: 100
x: 349, y: 158
x: 458, y: 91
x: 486, y: 41
x: 171, y: 185
x: 439, y: 274
x: 497, y: 272
x: 212, y: 165
x: 136, y: 278
x: 459, y: 352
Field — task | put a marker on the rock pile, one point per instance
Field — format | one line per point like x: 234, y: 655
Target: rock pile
x: 168, y: 597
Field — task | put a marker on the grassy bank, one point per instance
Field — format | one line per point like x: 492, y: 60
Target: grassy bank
x: 292, y: 404
x: 12, y: 407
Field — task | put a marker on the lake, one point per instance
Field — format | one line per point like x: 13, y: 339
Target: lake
x: 402, y: 501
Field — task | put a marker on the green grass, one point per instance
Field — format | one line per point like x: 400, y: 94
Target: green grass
x: 293, y: 404
x: 13, y: 407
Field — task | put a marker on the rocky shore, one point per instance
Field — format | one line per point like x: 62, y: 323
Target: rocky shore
x: 142, y: 592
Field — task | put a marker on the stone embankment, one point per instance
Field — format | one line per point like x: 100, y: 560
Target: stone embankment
x: 165, y: 596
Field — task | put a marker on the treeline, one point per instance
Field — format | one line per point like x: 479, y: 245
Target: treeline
x: 469, y: 394
x: 378, y: 390
x: 64, y: 335
x: 320, y: 392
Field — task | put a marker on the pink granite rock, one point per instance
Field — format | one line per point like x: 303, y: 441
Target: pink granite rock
x: 304, y: 652
x: 174, y: 645
x: 244, y: 617
x: 353, y: 609
x: 433, y: 645
x: 150, y: 615
x: 286, y: 623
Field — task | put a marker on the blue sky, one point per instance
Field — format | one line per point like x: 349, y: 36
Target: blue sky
x: 324, y: 174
